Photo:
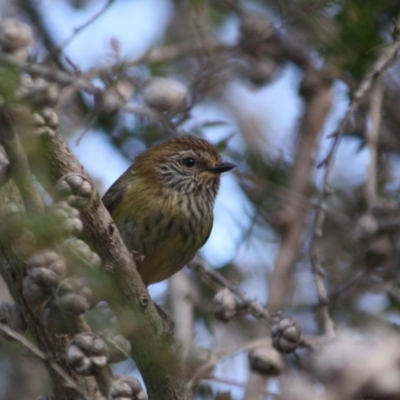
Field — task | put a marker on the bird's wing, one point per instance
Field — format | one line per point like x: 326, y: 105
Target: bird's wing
x: 208, y: 233
x: 114, y: 194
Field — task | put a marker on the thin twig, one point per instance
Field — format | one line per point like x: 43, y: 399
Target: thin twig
x: 79, y: 29
x: 30, y: 8
x: 172, y: 52
x: 209, y: 365
x: 69, y: 382
x: 255, y: 388
x: 349, y: 282
x: 232, y: 382
x: 372, y: 136
x: 50, y: 73
x: 382, y: 63
x: 318, y: 99
x: 255, y: 309
x: 328, y: 326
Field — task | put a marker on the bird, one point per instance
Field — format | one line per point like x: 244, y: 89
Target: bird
x: 163, y: 203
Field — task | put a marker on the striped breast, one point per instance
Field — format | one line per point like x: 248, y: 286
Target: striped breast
x: 167, y: 230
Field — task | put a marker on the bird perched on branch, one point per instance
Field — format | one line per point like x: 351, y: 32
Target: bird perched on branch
x: 163, y: 204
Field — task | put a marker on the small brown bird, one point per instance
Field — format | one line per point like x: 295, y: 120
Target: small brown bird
x: 163, y: 204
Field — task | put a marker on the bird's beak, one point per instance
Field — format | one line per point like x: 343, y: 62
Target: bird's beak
x: 222, y: 167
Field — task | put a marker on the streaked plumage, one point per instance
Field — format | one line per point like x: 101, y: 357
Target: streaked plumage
x: 163, y: 204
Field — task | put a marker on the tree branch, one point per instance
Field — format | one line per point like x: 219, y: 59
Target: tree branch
x: 364, y: 89
x: 20, y: 171
x: 318, y: 98
x: 68, y: 381
x: 120, y: 284
x: 254, y: 308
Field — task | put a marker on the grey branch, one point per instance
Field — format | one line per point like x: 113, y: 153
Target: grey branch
x: 69, y: 382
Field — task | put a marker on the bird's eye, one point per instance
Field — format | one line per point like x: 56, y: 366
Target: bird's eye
x: 188, y: 162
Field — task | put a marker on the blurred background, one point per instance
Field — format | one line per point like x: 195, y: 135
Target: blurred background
x: 267, y: 82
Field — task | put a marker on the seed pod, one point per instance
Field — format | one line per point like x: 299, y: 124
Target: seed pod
x: 74, y: 303
x: 124, y: 90
x: 165, y: 95
x: 34, y: 293
x: 255, y: 31
x: 11, y: 316
x: 367, y: 226
x: 116, y: 96
x: 44, y: 132
x: 74, y: 297
x: 224, y: 305
x: 40, y: 94
x: 266, y: 361
x: 38, y: 119
x: 286, y: 335
x: 49, y: 259
x: 44, y: 277
x: 47, y: 268
x: 76, y: 189
x: 79, y: 253
x: 258, y: 70
x: 14, y: 35
x: 87, y: 353
x: 50, y: 117
x: 127, y: 388
x: 66, y: 219
x: 46, y: 117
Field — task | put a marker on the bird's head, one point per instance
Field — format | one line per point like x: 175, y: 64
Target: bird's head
x: 186, y: 163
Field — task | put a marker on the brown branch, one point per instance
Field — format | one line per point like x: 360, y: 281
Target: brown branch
x: 83, y: 81
x: 255, y: 387
x: 372, y: 137
x: 172, y: 52
x: 28, y: 7
x: 57, y: 50
x: 68, y: 381
x: 53, y: 345
x: 205, y: 368
x: 180, y: 295
x: 328, y: 326
x: 20, y: 171
x: 50, y: 73
x: 387, y: 56
x: 318, y: 97
x: 22, y: 176
x: 232, y: 382
x: 120, y: 284
x: 364, y: 89
x: 253, y: 307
